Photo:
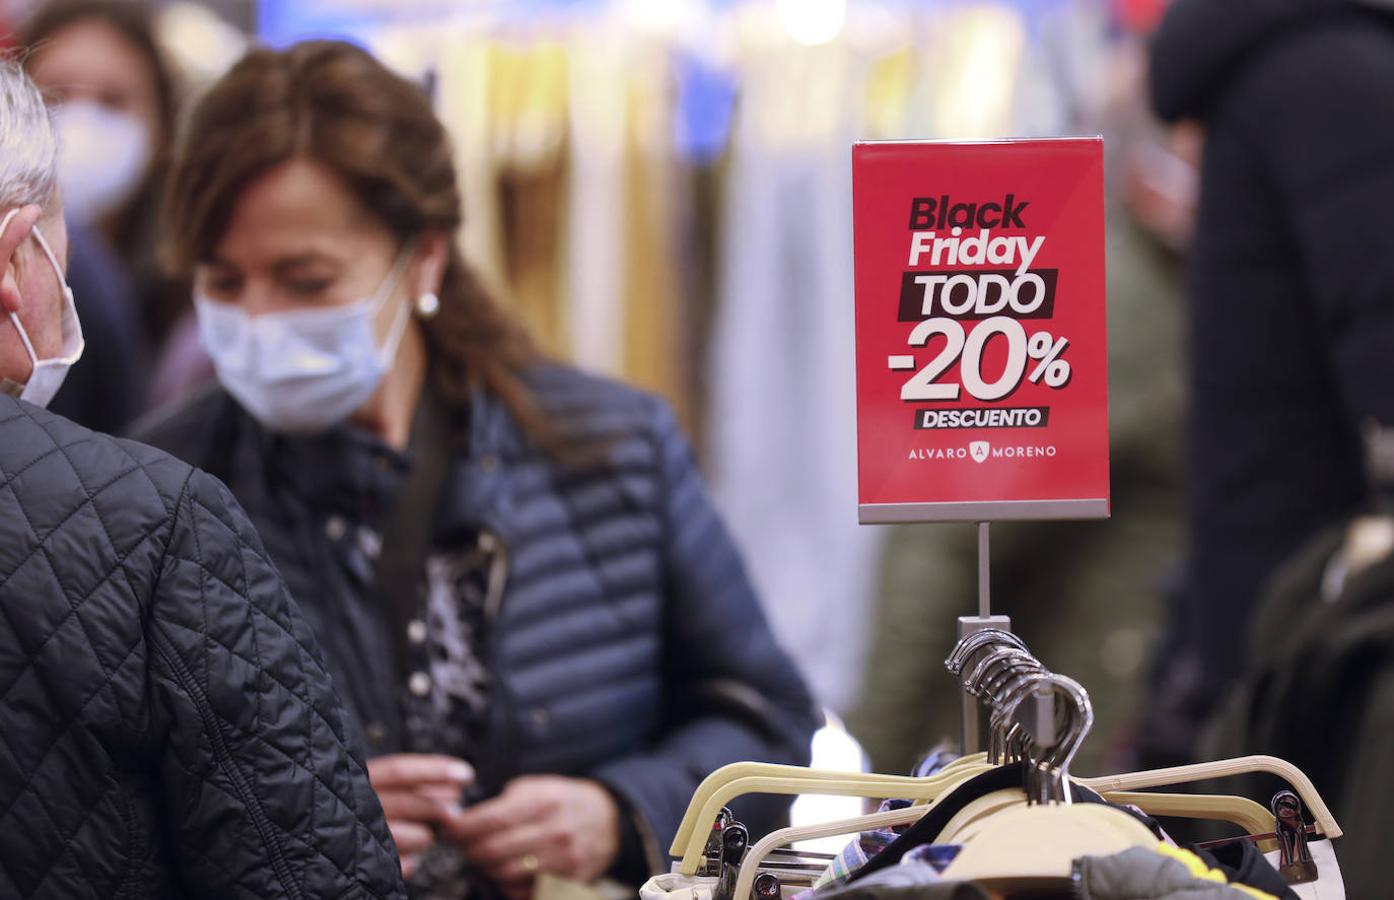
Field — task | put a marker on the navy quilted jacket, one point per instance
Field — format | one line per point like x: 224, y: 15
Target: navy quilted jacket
x: 166, y: 725
x: 628, y: 647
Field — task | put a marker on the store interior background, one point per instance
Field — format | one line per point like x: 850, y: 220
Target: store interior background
x: 661, y: 189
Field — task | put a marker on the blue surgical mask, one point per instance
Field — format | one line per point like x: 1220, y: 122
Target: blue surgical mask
x: 48, y: 374
x: 306, y: 370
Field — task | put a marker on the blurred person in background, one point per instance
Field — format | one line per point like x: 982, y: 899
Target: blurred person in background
x: 114, y: 102
x: 514, y: 567
x: 169, y: 728
x: 1290, y: 305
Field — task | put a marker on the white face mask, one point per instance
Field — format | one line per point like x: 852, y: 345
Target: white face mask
x: 305, y: 370
x: 102, y: 156
x: 48, y: 374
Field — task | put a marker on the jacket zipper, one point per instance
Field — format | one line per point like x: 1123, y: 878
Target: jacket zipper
x: 213, y: 726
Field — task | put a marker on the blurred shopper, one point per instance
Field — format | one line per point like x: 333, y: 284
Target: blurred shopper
x: 168, y: 727
x: 512, y: 565
x: 1291, y: 304
x: 114, y: 100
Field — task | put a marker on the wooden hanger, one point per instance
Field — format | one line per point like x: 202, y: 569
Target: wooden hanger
x: 835, y: 784
x: 1224, y: 768
x: 1042, y: 841
x: 693, y: 820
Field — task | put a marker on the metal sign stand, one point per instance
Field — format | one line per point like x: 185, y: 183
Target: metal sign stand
x: 1040, y: 714
x: 974, y: 722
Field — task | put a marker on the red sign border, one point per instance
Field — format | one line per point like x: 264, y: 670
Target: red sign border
x: 988, y: 510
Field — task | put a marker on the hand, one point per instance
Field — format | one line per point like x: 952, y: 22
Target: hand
x: 419, y: 793
x: 540, y: 823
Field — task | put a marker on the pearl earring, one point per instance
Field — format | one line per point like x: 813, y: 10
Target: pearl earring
x: 427, y: 305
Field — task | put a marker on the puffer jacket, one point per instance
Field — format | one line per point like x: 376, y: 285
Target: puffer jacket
x: 167, y: 728
x: 628, y: 645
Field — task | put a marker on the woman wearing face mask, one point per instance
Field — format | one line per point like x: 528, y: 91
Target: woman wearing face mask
x: 512, y: 567
x: 101, y: 69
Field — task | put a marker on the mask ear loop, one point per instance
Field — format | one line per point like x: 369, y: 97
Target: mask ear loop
x: 399, y: 325
x: 73, y: 341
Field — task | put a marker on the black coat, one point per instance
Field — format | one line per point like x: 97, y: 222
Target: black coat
x: 166, y: 725
x: 628, y: 646
x: 1291, y: 283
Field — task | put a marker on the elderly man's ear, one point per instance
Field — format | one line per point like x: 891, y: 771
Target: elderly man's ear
x: 15, y: 227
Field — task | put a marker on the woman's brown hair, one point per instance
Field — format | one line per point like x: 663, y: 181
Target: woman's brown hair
x: 332, y: 102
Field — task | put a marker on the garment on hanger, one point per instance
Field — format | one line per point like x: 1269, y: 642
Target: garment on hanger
x: 869, y: 843
x: 1243, y: 863
x: 927, y: 829
x: 672, y: 886
x: 595, y: 250
x: 528, y: 114
x: 1161, y: 872
x: 655, y: 310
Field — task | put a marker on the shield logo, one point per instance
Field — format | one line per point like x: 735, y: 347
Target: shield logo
x: 978, y: 450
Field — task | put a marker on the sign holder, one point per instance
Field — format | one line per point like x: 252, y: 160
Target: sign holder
x: 981, y: 346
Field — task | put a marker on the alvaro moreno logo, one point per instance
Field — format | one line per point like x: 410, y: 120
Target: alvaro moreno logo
x: 982, y: 451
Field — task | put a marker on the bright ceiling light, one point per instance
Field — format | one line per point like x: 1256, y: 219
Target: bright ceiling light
x: 812, y: 22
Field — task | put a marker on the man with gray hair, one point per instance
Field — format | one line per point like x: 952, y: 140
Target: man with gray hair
x: 167, y: 727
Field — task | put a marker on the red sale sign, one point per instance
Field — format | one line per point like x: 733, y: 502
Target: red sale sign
x: 982, y: 378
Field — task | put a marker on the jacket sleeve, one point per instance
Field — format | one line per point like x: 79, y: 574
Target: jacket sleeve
x: 1317, y: 112
x: 732, y: 693
x: 263, y: 796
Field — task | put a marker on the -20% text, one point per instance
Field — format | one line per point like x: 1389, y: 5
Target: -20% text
x: 965, y: 347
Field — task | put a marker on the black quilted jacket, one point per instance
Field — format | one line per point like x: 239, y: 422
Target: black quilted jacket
x: 167, y: 728
x: 628, y: 647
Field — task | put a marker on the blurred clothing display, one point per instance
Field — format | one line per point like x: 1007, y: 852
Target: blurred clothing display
x: 1291, y: 301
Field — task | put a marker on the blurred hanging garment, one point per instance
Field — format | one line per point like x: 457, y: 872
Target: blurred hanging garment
x: 624, y: 277
x: 781, y: 425
x: 527, y: 101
